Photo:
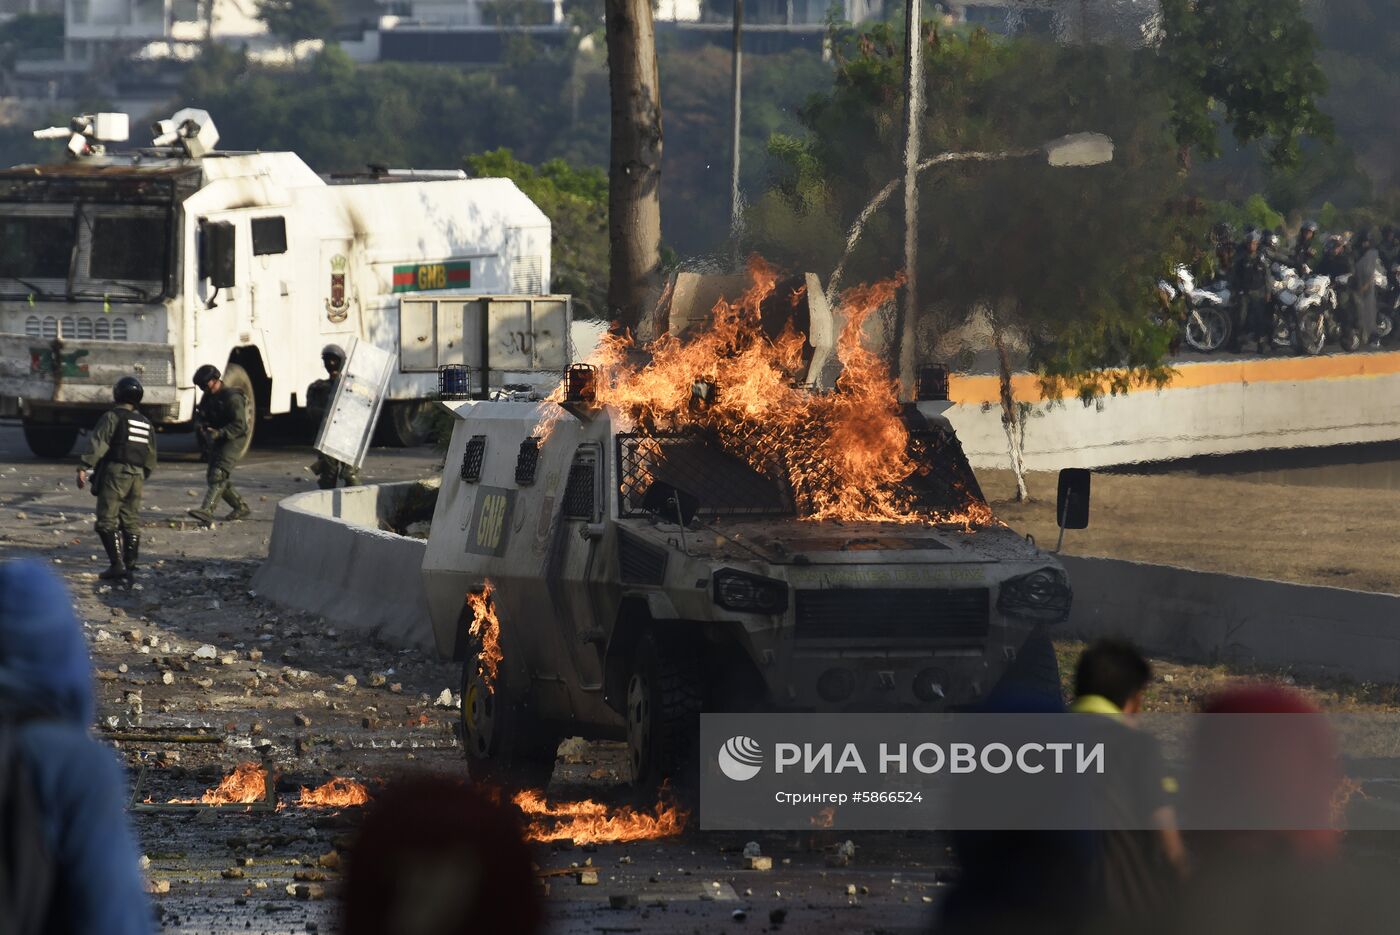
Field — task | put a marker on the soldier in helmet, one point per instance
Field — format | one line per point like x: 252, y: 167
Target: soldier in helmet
x: 223, y: 427
x: 121, y: 456
x: 329, y: 472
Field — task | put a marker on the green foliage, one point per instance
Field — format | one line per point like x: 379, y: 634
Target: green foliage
x: 1064, y: 256
x: 1256, y: 213
x: 294, y: 20
x: 1247, y: 64
x: 576, y: 201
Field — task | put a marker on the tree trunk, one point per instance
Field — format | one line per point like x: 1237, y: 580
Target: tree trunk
x: 1011, y: 417
x: 634, y: 177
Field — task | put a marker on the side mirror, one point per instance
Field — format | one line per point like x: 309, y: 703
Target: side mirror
x: 216, y: 254
x: 1072, y: 500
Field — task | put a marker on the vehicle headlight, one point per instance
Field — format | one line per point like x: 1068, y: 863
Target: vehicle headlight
x: 736, y: 590
x: 1041, y: 595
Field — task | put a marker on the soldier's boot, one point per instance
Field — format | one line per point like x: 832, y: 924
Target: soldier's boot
x: 131, y: 549
x: 240, y: 506
x: 205, y: 512
x: 117, y: 568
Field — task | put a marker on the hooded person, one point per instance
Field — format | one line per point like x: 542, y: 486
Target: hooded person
x: 76, y: 784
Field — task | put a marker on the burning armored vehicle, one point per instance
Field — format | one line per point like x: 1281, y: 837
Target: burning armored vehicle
x: 721, y: 525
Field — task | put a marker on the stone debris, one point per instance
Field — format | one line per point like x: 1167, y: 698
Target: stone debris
x: 206, y: 652
x: 758, y: 863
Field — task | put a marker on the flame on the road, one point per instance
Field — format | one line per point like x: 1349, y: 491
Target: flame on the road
x: 246, y: 785
x: 590, y: 822
x: 846, y: 454
x: 338, y: 793
x: 486, y: 626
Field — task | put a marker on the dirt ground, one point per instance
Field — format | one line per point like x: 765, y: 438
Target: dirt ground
x: 1336, y: 536
x: 288, y: 691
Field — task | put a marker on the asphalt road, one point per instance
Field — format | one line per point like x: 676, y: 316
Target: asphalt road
x: 276, y: 691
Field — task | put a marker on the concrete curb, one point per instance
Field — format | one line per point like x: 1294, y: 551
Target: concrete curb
x: 328, y: 556
x: 1208, y: 617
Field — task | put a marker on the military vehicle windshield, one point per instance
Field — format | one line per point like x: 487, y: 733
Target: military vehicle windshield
x: 36, y: 246
x: 944, y: 482
x: 116, y: 252
x: 672, y: 475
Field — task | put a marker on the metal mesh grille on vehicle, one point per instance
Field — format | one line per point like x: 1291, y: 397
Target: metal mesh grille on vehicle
x: 939, y: 614
x: 472, y: 458
x: 640, y: 563
x: 710, y: 482
x: 578, y: 492
x: 527, y: 461
x: 943, y: 480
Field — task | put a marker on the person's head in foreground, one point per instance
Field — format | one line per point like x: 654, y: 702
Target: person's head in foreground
x: 1111, y: 678
x: 437, y: 857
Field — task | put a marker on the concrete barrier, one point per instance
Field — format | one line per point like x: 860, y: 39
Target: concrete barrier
x: 329, y: 555
x: 1210, y: 407
x: 1208, y: 617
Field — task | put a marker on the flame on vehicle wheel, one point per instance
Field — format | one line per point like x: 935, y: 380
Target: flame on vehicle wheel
x: 487, y: 627
x: 590, y: 822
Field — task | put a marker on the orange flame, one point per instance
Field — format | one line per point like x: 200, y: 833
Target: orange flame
x: 846, y: 454
x: 246, y: 785
x: 487, y: 626
x: 338, y: 793
x: 590, y: 822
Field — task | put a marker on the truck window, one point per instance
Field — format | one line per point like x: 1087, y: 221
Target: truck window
x: 35, y: 246
x: 269, y: 236
x: 129, y: 248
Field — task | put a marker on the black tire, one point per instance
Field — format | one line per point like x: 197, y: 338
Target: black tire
x: 1207, y: 329
x: 1385, y: 326
x: 1311, y: 334
x: 236, y: 377
x: 664, y: 697
x: 1034, y: 673
x: 503, y: 743
x: 50, y: 441
x: 404, y: 423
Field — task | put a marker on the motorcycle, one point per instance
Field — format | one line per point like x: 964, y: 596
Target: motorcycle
x: 1303, y: 311
x: 1387, y: 303
x: 1206, y: 318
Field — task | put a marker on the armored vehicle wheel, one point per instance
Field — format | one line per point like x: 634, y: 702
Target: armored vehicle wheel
x: 1035, y: 672
x: 404, y: 423
x: 50, y: 441
x: 236, y: 377
x: 663, y: 717
x: 503, y: 744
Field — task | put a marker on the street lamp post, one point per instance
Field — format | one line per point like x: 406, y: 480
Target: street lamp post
x: 1075, y: 150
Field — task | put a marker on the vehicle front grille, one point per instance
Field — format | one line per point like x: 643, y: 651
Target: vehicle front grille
x: 76, y: 327
x: 893, y: 613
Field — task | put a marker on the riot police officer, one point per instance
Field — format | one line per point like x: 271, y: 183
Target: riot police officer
x: 319, y: 395
x: 223, y: 427
x: 1304, y: 255
x: 1251, y: 280
x: 121, y: 456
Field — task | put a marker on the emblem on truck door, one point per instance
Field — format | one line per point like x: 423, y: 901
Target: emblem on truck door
x: 490, y: 526
x: 338, y: 306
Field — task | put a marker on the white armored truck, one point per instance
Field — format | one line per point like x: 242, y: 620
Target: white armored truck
x: 154, y: 261
x: 640, y: 577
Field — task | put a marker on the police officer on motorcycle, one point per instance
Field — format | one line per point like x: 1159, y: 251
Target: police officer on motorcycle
x: 329, y: 471
x: 119, y: 459
x: 1304, y: 256
x: 1250, y: 279
x: 223, y: 428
